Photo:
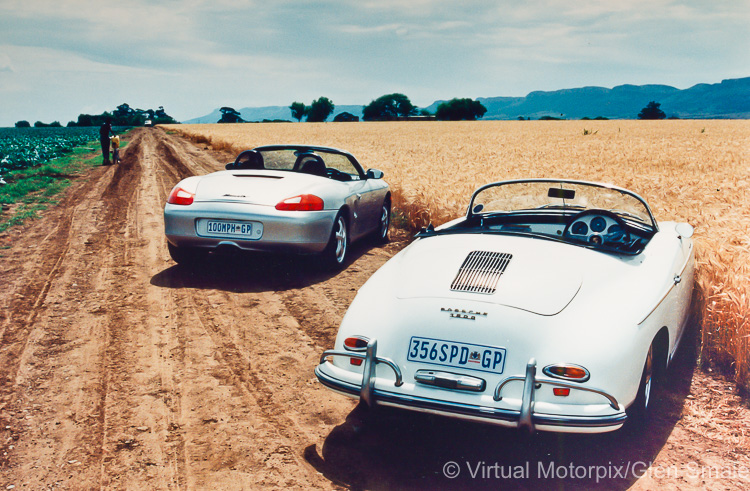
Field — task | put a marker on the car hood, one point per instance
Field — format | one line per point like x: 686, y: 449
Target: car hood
x: 261, y: 187
x: 540, y: 276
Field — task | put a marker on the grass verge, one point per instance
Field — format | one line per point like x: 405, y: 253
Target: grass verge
x: 30, y: 191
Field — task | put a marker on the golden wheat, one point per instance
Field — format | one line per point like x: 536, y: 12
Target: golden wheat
x: 692, y: 171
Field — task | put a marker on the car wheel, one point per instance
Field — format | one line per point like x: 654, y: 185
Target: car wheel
x: 338, y: 244
x: 185, y: 255
x: 641, y: 407
x: 385, y: 221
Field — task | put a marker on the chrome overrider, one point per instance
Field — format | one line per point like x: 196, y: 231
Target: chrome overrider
x: 523, y: 419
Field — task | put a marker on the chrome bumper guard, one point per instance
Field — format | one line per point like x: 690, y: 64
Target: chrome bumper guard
x: 531, y: 383
x: 525, y: 419
x: 368, y: 371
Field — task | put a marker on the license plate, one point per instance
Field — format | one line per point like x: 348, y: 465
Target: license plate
x: 227, y: 228
x: 456, y: 355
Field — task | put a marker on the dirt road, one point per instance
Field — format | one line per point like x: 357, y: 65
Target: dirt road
x: 119, y: 369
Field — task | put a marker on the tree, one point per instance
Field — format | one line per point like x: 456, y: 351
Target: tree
x: 460, y: 109
x: 345, y: 117
x: 319, y: 110
x: 652, y: 111
x: 228, y: 115
x: 389, y: 107
x: 23, y: 124
x: 298, y: 110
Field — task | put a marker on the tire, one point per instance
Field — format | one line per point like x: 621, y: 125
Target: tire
x: 186, y: 255
x: 641, y: 409
x: 385, y: 221
x: 336, y: 251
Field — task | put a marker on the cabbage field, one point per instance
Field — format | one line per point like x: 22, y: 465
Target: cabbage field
x: 28, y: 147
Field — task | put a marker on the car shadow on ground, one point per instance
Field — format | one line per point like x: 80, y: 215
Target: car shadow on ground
x: 242, y: 272
x: 397, y: 449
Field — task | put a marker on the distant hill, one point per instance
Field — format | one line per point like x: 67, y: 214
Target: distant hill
x: 725, y: 100
x: 255, y: 114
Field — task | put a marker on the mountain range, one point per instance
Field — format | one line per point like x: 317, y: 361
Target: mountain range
x: 729, y: 99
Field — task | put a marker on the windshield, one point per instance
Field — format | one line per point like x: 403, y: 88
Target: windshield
x: 569, y: 196
x: 293, y: 159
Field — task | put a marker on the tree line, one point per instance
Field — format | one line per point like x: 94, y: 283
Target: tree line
x: 389, y: 107
x: 395, y: 107
x: 123, y: 115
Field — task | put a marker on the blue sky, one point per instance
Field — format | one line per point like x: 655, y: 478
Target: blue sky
x: 62, y: 58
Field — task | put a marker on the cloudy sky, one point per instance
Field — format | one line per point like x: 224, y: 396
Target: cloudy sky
x: 62, y: 58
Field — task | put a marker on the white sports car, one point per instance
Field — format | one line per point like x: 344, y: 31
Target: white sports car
x: 279, y: 198
x: 552, y: 305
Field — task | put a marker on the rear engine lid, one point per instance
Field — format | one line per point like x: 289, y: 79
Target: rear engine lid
x: 530, y: 274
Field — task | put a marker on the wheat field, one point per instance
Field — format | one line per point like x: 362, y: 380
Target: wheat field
x: 693, y: 171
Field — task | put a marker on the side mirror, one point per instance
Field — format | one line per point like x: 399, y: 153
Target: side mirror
x: 684, y: 230
x: 374, y: 174
x: 229, y: 166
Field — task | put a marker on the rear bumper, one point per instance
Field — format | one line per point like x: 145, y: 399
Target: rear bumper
x: 306, y: 232
x: 526, y: 417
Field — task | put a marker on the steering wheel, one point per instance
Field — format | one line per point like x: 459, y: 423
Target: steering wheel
x: 598, y: 228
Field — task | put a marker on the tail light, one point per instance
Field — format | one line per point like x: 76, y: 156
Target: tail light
x: 561, y: 392
x: 179, y: 196
x: 302, y: 202
x: 358, y: 344
x: 567, y: 371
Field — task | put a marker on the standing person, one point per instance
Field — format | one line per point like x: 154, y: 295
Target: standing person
x: 104, y: 131
x: 115, y: 142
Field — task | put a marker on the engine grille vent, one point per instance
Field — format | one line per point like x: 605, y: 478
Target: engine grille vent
x: 480, y: 272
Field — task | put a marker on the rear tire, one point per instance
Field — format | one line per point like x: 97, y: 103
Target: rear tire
x: 336, y: 251
x: 186, y: 255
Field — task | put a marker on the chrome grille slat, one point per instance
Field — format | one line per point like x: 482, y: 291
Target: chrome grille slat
x: 480, y: 272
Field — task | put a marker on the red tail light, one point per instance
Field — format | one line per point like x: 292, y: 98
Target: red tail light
x: 356, y: 343
x: 561, y: 392
x: 179, y: 196
x: 303, y: 202
x: 567, y: 371
x: 355, y: 361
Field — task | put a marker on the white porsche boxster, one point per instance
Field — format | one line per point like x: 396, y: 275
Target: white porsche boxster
x: 552, y: 305
x: 279, y: 198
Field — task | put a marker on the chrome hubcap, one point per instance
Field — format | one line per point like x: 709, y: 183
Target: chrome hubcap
x: 649, y: 372
x: 384, y: 218
x: 340, y: 240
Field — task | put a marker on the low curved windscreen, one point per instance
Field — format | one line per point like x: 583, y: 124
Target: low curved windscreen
x: 572, y: 196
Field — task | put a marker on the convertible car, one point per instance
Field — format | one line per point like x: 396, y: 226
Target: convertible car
x: 279, y: 198
x: 552, y: 305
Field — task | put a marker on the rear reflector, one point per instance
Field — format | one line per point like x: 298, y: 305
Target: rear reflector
x: 559, y: 391
x: 355, y: 361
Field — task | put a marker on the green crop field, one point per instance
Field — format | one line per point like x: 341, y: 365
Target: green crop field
x: 27, y: 147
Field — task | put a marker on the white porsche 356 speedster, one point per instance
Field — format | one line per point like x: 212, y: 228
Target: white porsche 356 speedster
x: 552, y: 305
